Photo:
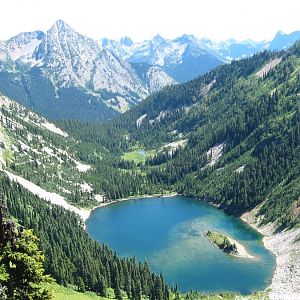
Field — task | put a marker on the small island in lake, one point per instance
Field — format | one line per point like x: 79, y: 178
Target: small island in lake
x: 227, y: 244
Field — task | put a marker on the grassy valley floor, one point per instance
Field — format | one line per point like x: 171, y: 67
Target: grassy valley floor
x: 67, y: 293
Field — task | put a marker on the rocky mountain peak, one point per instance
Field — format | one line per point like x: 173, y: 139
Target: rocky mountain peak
x: 127, y: 41
x: 186, y: 38
x: 22, y: 46
x: 158, y: 39
x: 62, y: 31
x: 283, y: 40
x: 61, y: 26
x: 26, y: 37
x: 67, y: 54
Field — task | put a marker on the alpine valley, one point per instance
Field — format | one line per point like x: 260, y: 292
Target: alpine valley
x: 229, y: 138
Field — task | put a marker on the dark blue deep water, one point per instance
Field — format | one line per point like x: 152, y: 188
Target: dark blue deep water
x: 169, y: 234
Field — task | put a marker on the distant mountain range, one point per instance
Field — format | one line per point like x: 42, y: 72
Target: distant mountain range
x: 183, y: 58
x: 187, y: 57
x: 65, y: 75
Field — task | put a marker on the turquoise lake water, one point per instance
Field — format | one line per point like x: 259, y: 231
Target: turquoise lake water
x: 169, y: 234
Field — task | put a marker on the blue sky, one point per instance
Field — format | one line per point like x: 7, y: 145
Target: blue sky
x: 142, y: 19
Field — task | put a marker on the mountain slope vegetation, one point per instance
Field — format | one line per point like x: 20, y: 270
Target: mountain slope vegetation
x: 66, y: 75
x: 64, y: 240
x: 230, y: 137
x: 80, y: 172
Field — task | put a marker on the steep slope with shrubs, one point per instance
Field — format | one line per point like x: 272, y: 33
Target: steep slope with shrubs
x: 230, y: 136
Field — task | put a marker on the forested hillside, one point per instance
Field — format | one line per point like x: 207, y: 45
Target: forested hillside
x: 230, y: 137
x: 21, y: 261
x: 49, y: 163
x: 80, y: 171
x: 72, y: 257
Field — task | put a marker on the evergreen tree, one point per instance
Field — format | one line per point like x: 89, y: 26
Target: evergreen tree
x: 21, y: 262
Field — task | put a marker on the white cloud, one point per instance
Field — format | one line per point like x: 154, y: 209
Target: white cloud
x: 140, y: 19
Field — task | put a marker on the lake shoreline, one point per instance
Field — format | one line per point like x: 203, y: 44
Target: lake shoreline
x: 284, y: 282
x: 103, y: 204
x: 286, y: 278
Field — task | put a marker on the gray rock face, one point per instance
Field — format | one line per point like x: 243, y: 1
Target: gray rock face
x: 68, y: 60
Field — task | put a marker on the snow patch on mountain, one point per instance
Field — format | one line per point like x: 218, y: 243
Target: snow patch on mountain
x: 240, y: 169
x: 30, y: 118
x: 207, y: 88
x: 99, y: 198
x: 139, y: 121
x: 160, y: 116
x: 215, y: 153
x: 171, y: 147
x: 85, y: 187
x: 51, y: 127
x: 54, y: 198
x: 268, y: 67
x: 81, y: 167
